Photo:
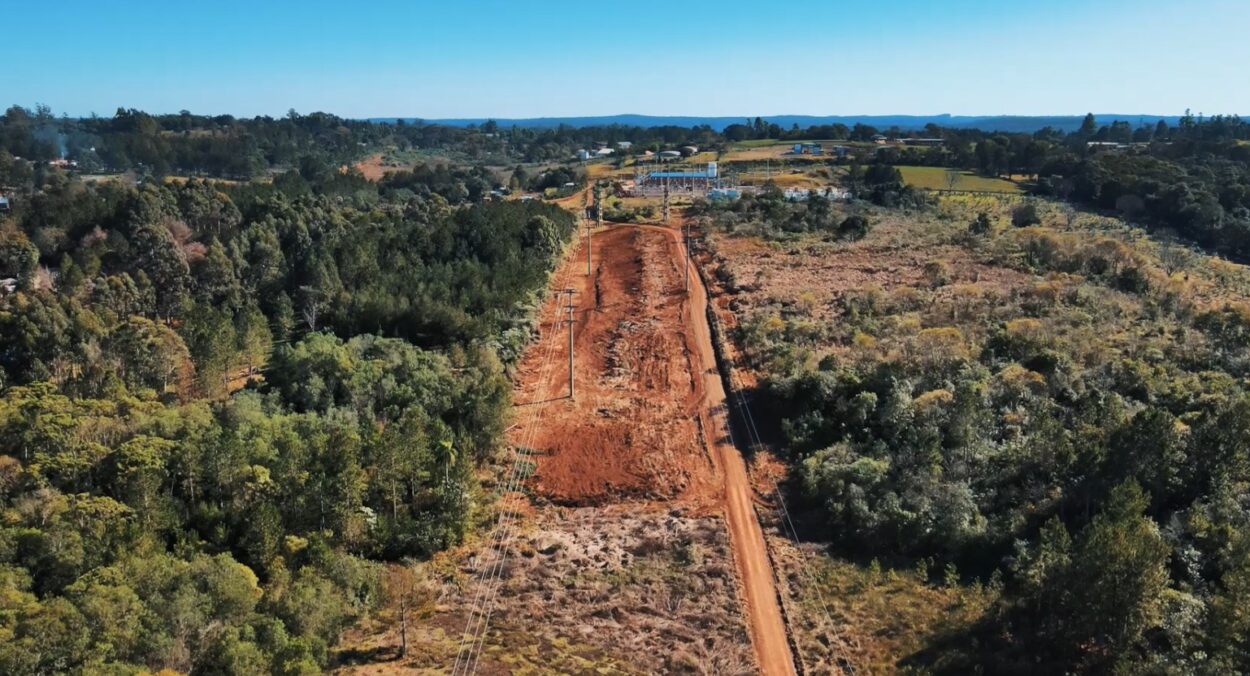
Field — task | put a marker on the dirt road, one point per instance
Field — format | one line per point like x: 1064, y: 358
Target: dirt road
x: 768, y: 630
x: 649, y: 422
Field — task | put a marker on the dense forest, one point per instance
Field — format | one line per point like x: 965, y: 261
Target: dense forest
x: 223, y: 404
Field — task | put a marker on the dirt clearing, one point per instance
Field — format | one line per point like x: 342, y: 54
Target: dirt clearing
x: 632, y: 430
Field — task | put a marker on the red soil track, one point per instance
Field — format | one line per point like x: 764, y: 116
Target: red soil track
x: 649, y: 419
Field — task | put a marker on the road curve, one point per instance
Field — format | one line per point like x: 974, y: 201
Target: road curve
x: 759, y: 589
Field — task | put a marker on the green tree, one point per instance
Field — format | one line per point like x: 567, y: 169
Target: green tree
x: 1118, y: 575
x: 18, y: 257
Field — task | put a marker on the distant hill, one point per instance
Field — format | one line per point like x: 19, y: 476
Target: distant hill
x: 1010, y: 123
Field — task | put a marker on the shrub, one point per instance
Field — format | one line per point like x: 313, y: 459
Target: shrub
x: 982, y: 225
x: 1025, y: 215
x: 853, y: 227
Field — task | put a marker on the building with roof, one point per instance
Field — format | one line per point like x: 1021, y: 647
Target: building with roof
x: 698, y: 178
x: 5, y: 204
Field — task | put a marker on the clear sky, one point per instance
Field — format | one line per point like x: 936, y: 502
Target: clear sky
x: 509, y: 58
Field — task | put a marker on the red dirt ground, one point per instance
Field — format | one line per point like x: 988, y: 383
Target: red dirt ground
x: 632, y: 431
x: 649, y: 419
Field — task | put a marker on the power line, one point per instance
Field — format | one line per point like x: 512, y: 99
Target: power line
x: 477, y: 606
x: 474, y: 637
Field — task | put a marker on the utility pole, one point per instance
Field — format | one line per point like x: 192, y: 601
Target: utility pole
x: 599, y: 204
x: 665, y: 201
x: 685, y: 229
x: 570, y: 322
x: 598, y: 217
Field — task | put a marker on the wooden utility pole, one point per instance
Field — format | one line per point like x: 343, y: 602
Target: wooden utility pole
x: 685, y: 230
x: 599, y: 204
x: 570, y: 322
x: 598, y: 217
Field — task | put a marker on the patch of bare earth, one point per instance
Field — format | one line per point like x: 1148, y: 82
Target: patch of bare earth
x: 631, y: 431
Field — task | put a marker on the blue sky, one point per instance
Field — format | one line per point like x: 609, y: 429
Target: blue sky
x: 595, y: 57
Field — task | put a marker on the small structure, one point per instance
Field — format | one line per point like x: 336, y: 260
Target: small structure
x: 879, y: 139
x: 5, y: 205
x: 687, y: 151
x: 624, y: 145
x: 1107, y: 145
x: 603, y: 152
x: 583, y: 154
x: 669, y: 155
x: 808, y: 149
x: 801, y: 194
x: 694, y: 179
x: 841, y: 151
x: 8, y: 285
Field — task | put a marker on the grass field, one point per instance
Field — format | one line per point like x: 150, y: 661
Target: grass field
x: 934, y: 178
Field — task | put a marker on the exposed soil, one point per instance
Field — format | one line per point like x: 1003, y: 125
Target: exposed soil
x: 632, y: 430
x: 648, y: 419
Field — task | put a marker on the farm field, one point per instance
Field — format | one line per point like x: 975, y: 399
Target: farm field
x: 934, y: 178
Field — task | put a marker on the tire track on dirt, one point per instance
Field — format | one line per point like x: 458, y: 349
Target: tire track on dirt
x: 768, y: 629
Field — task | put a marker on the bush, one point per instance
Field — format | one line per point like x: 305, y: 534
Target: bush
x: 982, y: 225
x: 1025, y: 215
x: 853, y: 227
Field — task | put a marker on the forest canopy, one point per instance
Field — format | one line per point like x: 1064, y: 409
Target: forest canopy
x: 223, y: 406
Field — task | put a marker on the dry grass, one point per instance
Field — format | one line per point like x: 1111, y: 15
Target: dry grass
x: 862, y: 619
x: 616, y: 590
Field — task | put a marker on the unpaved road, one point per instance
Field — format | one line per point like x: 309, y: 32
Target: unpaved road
x: 649, y: 422
x: 768, y: 629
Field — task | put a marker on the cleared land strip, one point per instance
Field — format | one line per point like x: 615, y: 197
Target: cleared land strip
x: 768, y: 629
x: 648, y: 433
